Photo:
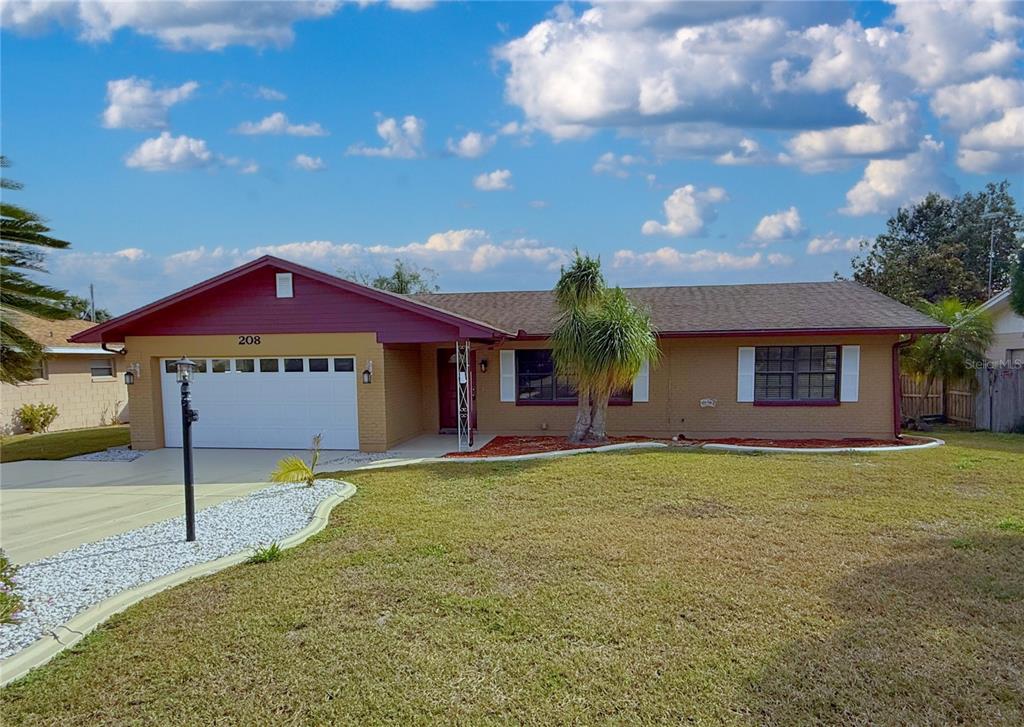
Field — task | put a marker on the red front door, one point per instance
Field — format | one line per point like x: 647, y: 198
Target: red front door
x: 447, y: 392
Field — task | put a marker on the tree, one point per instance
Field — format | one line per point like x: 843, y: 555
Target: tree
x: 939, y: 248
x: 22, y: 234
x: 406, y: 278
x: 949, y: 356
x: 600, y: 341
x: 81, y: 309
x: 1017, y: 284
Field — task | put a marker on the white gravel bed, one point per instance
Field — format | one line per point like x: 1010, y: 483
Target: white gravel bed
x: 57, y: 588
x: 114, y: 454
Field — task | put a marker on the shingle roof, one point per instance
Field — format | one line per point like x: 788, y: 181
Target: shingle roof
x: 705, y: 309
x: 52, y: 334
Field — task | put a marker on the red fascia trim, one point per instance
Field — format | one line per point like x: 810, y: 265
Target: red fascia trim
x: 799, y: 402
x: 95, y: 334
x: 774, y: 332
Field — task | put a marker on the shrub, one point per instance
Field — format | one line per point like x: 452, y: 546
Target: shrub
x: 37, y: 418
x: 266, y: 554
x: 295, y: 469
x: 10, y: 601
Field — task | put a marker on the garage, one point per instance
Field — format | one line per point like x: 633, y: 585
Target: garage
x: 266, y: 402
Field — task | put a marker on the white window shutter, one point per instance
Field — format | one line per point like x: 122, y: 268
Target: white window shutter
x: 642, y: 383
x: 284, y: 285
x: 849, y: 387
x: 507, y: 371
x: 745, y: 374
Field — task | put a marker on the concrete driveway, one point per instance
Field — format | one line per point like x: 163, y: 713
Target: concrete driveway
x: 49, y: 507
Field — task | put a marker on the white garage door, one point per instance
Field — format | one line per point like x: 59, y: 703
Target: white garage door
x: 266, y: 403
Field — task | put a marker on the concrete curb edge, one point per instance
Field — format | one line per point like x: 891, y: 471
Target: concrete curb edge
x: 932, y: 442
x: 38, y: 653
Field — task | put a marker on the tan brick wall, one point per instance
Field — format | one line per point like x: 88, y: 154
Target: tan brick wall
x: 81, y: 400
x: 691, y: 370
x: 146, y: 402
x: 402, y: 392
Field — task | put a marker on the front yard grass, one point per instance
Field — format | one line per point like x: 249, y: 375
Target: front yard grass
x: 648, y: 587
x: 61, y: 445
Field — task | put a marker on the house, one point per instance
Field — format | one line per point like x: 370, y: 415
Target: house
x: 81, y: 379
x: 1008, y: 329
x: 285, y: 352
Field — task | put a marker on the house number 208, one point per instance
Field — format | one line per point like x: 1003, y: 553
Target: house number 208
x: 248, y: 340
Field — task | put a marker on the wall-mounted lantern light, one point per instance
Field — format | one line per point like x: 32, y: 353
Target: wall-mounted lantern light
x: 368, y: 373
x: 132, y: 373
x: 483, y: 366
x: 129, y: 378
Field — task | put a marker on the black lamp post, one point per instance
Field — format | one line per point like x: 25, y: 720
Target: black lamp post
x: 185, y: 368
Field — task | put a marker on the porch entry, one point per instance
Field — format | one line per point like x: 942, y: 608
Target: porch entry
x: 447, y: 390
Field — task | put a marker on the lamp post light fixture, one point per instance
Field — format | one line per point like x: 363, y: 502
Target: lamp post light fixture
x: 185, y: 368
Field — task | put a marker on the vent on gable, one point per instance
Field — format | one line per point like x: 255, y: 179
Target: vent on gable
x: 284, y: 285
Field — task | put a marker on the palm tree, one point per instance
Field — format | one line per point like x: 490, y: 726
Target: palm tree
x: 295, y: 469
x: 950, y: 355
x: 22, y: 233
x: 600, y: 341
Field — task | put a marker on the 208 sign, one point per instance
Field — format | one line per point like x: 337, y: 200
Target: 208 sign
x: 248, y: 340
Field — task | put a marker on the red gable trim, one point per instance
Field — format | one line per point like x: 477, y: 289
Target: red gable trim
x: 468, y: 328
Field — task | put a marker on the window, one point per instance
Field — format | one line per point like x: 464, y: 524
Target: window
x: 293, y: 365
x: 269, y: 365
x: 200, y: 365
x: 1015, y: 357
x: 796, y: 373
x: 245, y: 365
x: 39, y: 370
x: 537, y: 382
x: 344, y: 364
x: 101, y: 367
x: 221, y: 365
x: 317, y: 364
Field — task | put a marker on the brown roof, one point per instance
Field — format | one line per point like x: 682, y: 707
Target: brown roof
x: 838, y: 305
x: 52, y: 334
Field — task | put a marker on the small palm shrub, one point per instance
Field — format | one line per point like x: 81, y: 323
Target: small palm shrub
x: 266, y: 554
x: 36, y: 418
x: 295, y: 469
x: 10, y: 601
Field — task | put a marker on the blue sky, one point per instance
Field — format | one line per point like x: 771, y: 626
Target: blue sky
x: 685, y: 144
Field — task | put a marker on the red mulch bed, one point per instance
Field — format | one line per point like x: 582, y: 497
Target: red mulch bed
x: 818, y: 443
x: 507, y: 446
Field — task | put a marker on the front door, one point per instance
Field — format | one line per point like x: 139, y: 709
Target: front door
x: 447, y: 391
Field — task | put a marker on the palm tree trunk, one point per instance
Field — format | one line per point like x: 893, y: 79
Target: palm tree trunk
x: 598, y: 426
x: 581, y: 428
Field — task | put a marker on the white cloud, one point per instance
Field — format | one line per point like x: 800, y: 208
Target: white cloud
x: 179, y: 26
x: 498, y: 180
x: 270, y: 94
x: 616, y: 165
x: 889, y: 183
x: 539, y: 204
x: 472, y: 145
x: 401, y: 141
x: 783, y: 225
x: 133, y: 103
x: 832, y: 243
x: 671, y: 259
x: 1006, y: 133
x: 249, y: 168
x: 166, y: 153
x: 747, y: 151
x: 278, y: 123
x: 310, y: 163
x: 412, y: 6
x: 687, y: 211
x: 967, y: 104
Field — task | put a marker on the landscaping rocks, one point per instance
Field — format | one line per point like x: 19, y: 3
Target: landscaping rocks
x: 114, y: 454
x: 55, y: 589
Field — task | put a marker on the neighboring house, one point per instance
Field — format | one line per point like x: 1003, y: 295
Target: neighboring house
x: 80, y: 378
x: 1008, y: 342
x: 286, y: 352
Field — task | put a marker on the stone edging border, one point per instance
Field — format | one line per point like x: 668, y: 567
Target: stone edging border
x: 512, y: 457
x: 932, y: 442
x: 38, y: 653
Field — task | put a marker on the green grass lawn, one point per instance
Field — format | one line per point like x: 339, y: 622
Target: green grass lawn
x: 646, y: 587
x: 61, y: 445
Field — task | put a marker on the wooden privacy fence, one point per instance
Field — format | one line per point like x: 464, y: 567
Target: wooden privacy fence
x: 958, y: 395
x: 999, y: 404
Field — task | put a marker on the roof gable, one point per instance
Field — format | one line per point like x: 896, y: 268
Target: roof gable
x: 244, y: 300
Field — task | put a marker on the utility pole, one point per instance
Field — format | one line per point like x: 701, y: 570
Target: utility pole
x: 991, y: 217
x: 92, y: 300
